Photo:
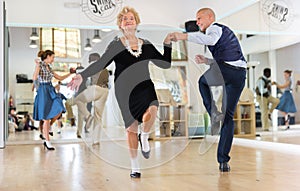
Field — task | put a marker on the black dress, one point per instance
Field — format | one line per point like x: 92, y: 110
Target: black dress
x: 133, y: 86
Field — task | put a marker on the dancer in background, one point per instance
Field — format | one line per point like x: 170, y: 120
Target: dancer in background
x: 286, y: 104
x: 267, y: 103
x: 47, y: 104
x: 97, y: 93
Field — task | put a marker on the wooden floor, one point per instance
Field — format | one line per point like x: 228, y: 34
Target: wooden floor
x: 268, y: 162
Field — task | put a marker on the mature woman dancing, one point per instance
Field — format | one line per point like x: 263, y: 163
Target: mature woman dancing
x: 134, y: 89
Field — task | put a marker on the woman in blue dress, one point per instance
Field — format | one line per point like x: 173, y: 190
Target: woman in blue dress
x: 286, y: 104
x: 47, y: 104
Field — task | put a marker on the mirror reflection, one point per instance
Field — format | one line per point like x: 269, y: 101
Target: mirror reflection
x: 271, y: 47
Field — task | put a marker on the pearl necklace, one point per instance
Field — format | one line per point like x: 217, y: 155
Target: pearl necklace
x: 139, y: 50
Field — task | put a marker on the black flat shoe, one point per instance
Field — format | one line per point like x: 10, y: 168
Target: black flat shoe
x: 224, y: 167
x: 146, y: 155
x: 135, y: 175
x: 51, y: 133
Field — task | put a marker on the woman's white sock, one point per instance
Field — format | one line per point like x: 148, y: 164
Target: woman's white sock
x: 145, y: 142
x: 135, y: 167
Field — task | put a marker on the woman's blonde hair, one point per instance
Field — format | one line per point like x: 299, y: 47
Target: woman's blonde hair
x: 127, y: 10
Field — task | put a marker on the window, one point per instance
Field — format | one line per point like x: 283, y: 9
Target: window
x: 64, y: 67
x: 64, y: 42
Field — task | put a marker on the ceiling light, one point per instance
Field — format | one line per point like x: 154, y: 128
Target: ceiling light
x: 88, y: 46
x: 71, y: 5
x: 33, y: 44
x: 34, y: 35
x: 96, y: 38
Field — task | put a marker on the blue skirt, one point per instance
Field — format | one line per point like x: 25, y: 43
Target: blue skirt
x: 47, y: 103
x: 287, y: 103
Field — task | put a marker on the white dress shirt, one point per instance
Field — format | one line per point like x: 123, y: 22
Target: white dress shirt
x: 212, y: 34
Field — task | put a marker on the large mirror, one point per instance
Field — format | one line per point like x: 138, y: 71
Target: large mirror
x: 266, y: 37
x: 72, y: 48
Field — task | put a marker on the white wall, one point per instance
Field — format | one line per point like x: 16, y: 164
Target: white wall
x: 21, y: 56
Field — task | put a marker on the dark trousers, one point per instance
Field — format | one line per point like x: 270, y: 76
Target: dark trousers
x: 233, y: 81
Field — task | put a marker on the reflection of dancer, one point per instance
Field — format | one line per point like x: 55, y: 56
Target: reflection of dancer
x: 35, y: 86
x: 134, y: 89
x: 229, y: 65
x: 286, y: 104
x: 97, y: 92
x: 267, y: 103
x: 47, y: 104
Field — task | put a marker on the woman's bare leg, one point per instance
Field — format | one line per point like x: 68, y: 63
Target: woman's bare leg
x: 46, y: 127
x: 287, y: 120
x: 148, y: 122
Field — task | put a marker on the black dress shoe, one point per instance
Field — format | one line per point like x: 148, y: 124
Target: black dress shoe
x: 216, y: 122
x: 215, y: 128
x: 135, y: 175
x: 73, y: 122
x: 224, y: 167
x: 145, y: 154
x: 217, y: 117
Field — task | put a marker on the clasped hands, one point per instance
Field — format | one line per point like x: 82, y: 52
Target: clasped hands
x: 176, y: 36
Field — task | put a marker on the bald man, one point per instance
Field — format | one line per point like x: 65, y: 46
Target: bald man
x: 227, y: 69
